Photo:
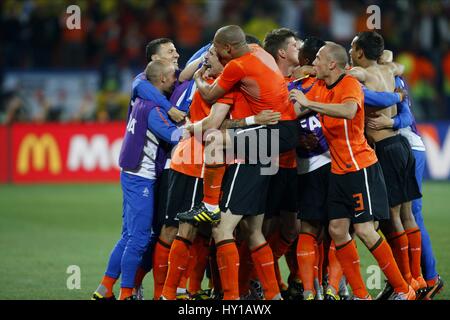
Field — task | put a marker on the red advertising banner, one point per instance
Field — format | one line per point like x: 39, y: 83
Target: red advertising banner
x: 66, y: 152
x: 60, y: 153
x: 4, y: 154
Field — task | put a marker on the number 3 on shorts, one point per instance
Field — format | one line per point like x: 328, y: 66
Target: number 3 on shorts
x: 359, y: 201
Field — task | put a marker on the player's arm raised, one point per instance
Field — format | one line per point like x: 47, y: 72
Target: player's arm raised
x: 345, y: 110
x: 189, y: 70
x: 209, y: 92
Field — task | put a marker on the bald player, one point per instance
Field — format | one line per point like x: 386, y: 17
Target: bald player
x: 396, y: 160
x: 245, y: 187
x: 140, y: 168
x: 357, y: 195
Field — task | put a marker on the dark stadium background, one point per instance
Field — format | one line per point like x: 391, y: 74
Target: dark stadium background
x: 64, y: 95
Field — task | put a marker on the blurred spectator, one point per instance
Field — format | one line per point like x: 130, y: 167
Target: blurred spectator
x: 12, y: 108
x: 263, y: 20
x: 433, y: 27
x: 446, y: 69
x: 343, y: 21
x: 113, y: 35
x: 86, y: 111
x: 111, y: 103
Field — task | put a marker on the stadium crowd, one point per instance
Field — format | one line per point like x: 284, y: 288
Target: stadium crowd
x: 33, y: 36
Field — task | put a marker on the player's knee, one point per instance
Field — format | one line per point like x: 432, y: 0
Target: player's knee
x: 187, y: 231
x: 395, y: 212
x: 310, y: 227
x: 255, y: 236
x: 168, y: 234
x: 336, y: 230
x: 364, y: 231
x: 290, y: 232
x: 221, y: 233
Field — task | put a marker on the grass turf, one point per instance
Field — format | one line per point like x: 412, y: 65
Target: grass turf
x: 44, y: 229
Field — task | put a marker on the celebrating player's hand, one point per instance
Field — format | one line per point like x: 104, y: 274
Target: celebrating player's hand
x: 379, y: 122
x: 303, y: 71
x: 200, y: 72
x: 386, y: 57
x: 176, y: 115
x: 298, y: 96
x: 186, y: 132
x: 267, y: 117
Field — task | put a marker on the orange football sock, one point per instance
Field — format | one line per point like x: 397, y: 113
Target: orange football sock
x: 316, y: 260
x: 279, y: 246
x: 212, y: 182
x: 245, y: 268
x: 185, y: 275
x: 263, y: 260
x: 383, y: 254
x: 399, y: 244
x: 178, y: 263
x: 334, y: 268
x: 125, y: 293
x: 228, y: 263
x: 108, y: 283
x: 415, y: 251
x: 349, y: 259
x: 306, y: 258
x: 201, y: 245
x: 190, y: 266
x: 160, y: 266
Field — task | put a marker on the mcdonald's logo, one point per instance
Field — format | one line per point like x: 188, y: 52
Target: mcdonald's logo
x: 41, y: 149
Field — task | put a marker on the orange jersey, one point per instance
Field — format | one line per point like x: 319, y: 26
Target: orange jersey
x: 348, y: 146
x: 260, y: 80
x: 240, y: 108
x: 187, y: 157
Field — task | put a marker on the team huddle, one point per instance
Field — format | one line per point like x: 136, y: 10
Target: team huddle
x: 255, y: 151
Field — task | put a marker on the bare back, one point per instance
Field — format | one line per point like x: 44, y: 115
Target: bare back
x: 380, y: 78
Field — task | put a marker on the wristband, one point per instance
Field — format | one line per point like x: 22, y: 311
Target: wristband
x: 250, y: 120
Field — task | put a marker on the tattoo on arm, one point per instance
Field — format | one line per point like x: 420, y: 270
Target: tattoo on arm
x: 233, y: 123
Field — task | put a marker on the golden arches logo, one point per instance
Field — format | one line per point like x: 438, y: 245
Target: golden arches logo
x: 40, y: 149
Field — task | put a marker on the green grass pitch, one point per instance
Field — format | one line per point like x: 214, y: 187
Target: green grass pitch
x: 44, y: 229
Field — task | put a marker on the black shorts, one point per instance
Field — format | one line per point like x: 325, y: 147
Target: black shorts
x: 244, y: 189
x: 399, y: 169
x: 312, y: 194
x: 360, y: 196
x: 261, y: 143
x: 282, y: 194
x: 161, y: 191
x: 184, y: 192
